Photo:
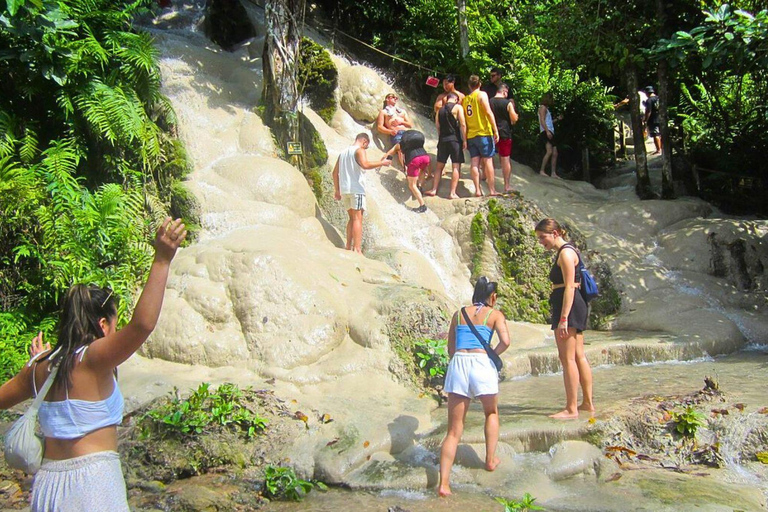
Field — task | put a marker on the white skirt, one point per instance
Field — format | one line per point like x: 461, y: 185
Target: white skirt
x: 92, y: 483
x: 471, y: 374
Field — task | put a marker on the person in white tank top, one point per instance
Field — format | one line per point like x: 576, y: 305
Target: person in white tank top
x: 349, y: 186
x: 79, y: 414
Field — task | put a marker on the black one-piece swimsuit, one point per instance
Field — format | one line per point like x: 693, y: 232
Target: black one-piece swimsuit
x: 578, y: 316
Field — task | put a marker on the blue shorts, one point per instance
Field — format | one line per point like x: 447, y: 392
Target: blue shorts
x: 481, y: 146
x: 396, y: 138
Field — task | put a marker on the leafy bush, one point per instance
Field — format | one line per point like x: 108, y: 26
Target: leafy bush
x: 432, y: 357
x: 223, y: 407
x: 688, y: 422
x: 87, y: 161
x: 318, y: 78
x: 525, y: 504
x: 281, y: 483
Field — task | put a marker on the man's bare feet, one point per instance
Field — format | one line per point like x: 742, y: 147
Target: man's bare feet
x: 490, y: 466
x: 478, y: 194
x: 543, y: 173
x: 494, y: 194
x: 556, y: 176
x: 430, y: 193
x: 656, y: 153
x: 565, y: 415
x: 453, y: 196
x: 443, y: 491
x: 587, y: 407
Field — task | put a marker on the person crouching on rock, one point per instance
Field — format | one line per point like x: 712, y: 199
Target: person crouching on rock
x: 349, y: 186
x: 472, y: 374
x: 569, y: 319
x: 79, y: 415
x: 416, y: 162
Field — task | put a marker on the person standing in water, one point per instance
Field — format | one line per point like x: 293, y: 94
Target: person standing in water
x: 416, y: 160
x: 472, y: 374
x: 349, y: 187
x: 505, y: 114
x: 452, y: 136
x: 569, y: 319
x: 80, y: 413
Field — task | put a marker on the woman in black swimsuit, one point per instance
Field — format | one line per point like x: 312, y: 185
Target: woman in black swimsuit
x: 569, y: 319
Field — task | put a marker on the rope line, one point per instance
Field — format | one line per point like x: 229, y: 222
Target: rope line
x: 335, y: 30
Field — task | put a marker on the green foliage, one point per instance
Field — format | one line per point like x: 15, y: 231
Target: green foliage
x: 87, y: 164
x: 524, y: 289
x: 723, y: 107
x: 524, y: 504
x: 203, y: 410
x: 281, y: 483
x: 688, y: 422
x: 432, y: 357
x: 318, y: 78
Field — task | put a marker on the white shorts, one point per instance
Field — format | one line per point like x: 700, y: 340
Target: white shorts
x: 353, y: 201
x: 471, y: 374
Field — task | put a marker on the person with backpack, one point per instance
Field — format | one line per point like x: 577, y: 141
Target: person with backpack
x: 569, y: 317
x: 473, y: 372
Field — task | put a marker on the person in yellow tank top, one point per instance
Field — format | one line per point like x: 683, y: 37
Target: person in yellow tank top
x: 482, y: 135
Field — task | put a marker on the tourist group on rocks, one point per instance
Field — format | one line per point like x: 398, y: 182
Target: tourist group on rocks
x: 76, y: 396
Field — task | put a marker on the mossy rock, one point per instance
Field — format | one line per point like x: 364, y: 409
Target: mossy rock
x: 184, y: 205
x: 524, y: 266
x: 318, y: 78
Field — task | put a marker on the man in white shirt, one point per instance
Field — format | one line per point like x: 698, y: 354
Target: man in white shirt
x: 349, y: 186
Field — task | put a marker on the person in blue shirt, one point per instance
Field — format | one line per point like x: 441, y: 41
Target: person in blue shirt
x: 472, y: 374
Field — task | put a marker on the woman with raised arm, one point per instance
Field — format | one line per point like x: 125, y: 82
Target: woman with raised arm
x: 569, y: 319
x: 79, y: 415
x: 472, y: 374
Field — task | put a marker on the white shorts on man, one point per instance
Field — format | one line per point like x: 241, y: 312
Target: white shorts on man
x: 471, y: 374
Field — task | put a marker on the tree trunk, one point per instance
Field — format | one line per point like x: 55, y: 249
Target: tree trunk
x: 280, y: 63
x: 643, y: 187
x: 461, y: 6
x: 662, y: 72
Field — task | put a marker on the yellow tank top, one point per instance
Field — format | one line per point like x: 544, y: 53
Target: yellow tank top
x: 478, y: 122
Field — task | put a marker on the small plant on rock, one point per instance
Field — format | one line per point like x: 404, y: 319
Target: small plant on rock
x: 281, y: 483
x: 688, y: 422
x: 224, y: 406
x: 432, y: 357
x: 525, y: 504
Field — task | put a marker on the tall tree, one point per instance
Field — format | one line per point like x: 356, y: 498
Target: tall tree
x: 663, y: 75
x: 461, y: 7
x: 280, y: 62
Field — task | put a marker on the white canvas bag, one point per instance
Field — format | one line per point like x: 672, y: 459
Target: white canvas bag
x: 23, y: 447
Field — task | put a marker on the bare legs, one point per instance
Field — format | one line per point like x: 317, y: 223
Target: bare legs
x: 657, y: 145
x: 413, y: 185
x: 355, y: 230
x: 490, y: 175
x: 551, y: 153
x: 506, y: 171
x: 439, y: 175
x: 475, y: 175
x: 457, y: 412
x: 576, y: 370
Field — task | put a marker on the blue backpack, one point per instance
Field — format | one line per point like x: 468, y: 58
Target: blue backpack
x: 588, y: 286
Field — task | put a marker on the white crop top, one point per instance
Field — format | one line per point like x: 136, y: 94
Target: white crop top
x: 73, y: 418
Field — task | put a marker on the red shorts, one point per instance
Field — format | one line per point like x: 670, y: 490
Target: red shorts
x: 416, y: 165
x: 504, y: 147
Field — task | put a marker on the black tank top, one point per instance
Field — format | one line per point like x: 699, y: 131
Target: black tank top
x: 499, y: 108
x: 450, y: 129
x: 556, y: 274
x: 412, y: 145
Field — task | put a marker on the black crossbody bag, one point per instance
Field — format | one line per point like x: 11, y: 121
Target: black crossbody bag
x: 497, y: 362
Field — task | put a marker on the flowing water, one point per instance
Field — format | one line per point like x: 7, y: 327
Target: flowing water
x: 675, y: 321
